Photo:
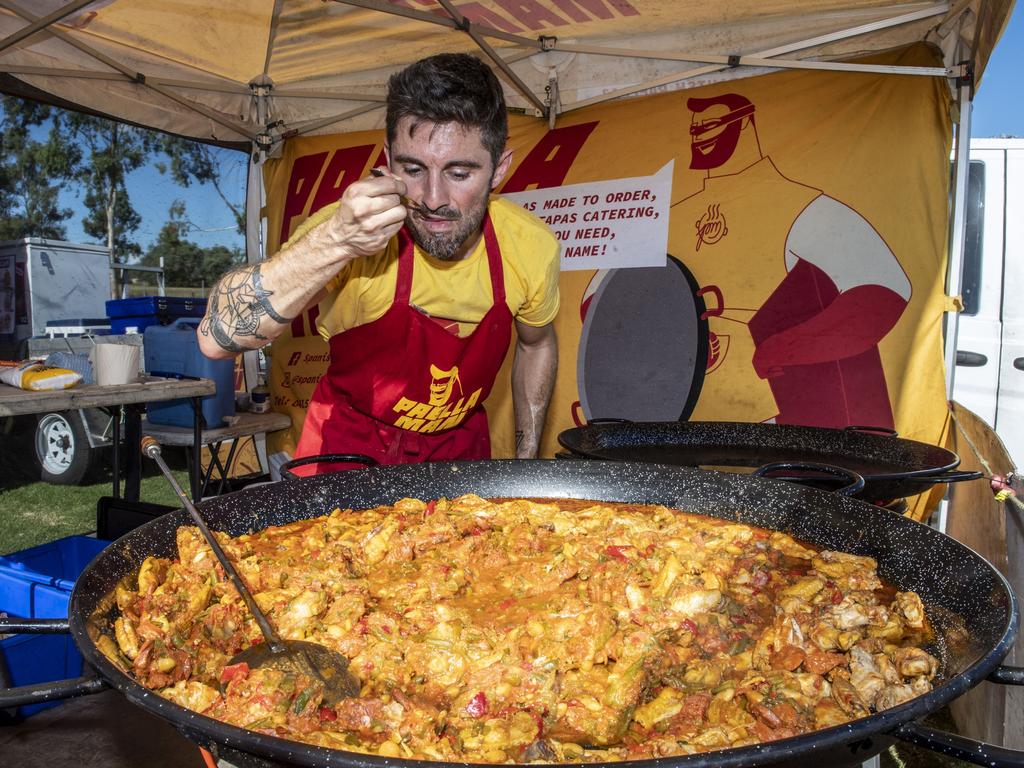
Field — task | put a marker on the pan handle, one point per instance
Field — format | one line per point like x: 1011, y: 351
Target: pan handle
x: 325, y: 458
x: 953, y: 476
x: 12, y: 625
x: 1007, y: 675
x: 960, y: 747
x: 42, y: 692
x: 856, y: 482
x: 887, y: 431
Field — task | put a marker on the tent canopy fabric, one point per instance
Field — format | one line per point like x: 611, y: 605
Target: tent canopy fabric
x: 237, y: 72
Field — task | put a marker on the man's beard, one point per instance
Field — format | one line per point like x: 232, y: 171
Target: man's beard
x: 445, y: 246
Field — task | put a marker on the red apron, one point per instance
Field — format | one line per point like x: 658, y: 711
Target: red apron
x: 403, y: 389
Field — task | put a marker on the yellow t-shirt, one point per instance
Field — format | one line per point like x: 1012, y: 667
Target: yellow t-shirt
x: 458, y: 293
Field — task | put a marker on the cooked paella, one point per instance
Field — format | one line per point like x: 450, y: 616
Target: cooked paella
x: 520, y: 630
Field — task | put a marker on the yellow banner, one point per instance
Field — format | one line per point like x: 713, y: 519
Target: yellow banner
x: 805, y: 254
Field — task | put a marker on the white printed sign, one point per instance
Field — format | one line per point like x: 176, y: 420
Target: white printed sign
x: 607, y: 224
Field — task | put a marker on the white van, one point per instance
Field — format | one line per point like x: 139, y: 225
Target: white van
x: 989, y: 378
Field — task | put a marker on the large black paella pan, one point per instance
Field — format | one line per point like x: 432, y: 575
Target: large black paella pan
x: 972, y: 607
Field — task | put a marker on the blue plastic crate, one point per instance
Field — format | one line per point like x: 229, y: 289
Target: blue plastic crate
x: 135, y: 315
x: 37, y: 583
x: 33, y: 659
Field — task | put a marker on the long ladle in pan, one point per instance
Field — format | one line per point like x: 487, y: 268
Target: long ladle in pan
x: 311, y: 659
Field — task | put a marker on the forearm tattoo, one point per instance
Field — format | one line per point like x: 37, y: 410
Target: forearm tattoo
x: 236, y: 308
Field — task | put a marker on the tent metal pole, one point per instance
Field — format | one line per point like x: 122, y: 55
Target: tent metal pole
x: 961, y: 165
x: 42, y: 22
x: 254, y: 194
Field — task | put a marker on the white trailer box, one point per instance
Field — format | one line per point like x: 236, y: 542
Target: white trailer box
x: 52, y: 280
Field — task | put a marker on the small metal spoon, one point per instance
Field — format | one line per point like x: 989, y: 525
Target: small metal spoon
x: 412, y: 205
x: 311, y: 659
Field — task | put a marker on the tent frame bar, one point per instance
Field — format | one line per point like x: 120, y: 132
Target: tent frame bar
x: 766, y: 58
x: 42, y: 23
x: 717, y: 62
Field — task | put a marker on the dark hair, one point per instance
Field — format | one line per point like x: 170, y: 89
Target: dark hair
x: 447, y: 88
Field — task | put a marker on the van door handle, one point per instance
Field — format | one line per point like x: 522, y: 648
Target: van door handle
x: 1019, y: 363
x: 973, y: 359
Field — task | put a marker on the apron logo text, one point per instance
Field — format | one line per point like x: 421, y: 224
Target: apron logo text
x: 439, y: 413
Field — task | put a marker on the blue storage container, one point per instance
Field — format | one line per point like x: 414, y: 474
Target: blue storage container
x: 37, y: 583
x: 136, y: 315
x: 173, y: 350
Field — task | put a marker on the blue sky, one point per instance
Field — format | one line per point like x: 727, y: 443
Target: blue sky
x: 998, y: 110
x: 999, y: 101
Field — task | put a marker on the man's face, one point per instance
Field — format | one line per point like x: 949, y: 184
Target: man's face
x: 449, y: 172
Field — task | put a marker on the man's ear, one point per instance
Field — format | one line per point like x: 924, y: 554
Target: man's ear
x: 502, y: 168
x: 387, y: 154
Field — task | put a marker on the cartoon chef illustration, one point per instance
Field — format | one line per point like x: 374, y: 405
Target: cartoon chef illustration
x: 799, y: 287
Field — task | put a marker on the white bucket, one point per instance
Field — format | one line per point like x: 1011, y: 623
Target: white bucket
x: 115, y: 364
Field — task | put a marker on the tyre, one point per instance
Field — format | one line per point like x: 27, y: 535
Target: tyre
x: 62, y: 448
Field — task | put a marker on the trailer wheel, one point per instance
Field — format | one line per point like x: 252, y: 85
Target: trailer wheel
x: 62, y: 448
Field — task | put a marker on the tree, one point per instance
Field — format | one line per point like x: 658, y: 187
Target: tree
x: 99, y: 155
x: 185, y: 263
x: 191, y: 161
x: 114, y: 151
x: 29, y: 198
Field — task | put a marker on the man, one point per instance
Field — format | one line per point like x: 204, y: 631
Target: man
x: 420, y: 276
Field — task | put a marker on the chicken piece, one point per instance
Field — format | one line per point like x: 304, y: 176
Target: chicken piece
x: 152, y: 573
x: 914, y: 662
x: 690, y: 602
x: 893, y: 695
x: 849, y: 614
x: 850, y: 572
x: 910, y: 607
x: 300, y: 613
x: 581, y: 715
x: 865, y: 675
x: 193, y: 695
x: 788, y: 546
x: 805, y: 589
x: 846, y: 696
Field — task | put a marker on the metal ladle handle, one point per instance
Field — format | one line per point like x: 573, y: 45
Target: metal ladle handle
x: 151, y: 448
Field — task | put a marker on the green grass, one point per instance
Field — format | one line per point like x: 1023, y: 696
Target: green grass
x: 39, y: 512
x: 33, y: 512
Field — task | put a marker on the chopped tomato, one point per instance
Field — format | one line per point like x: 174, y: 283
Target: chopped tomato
x: 431, y: 506
x: 508, y: 602
x: 326, y: 713
x: 478, y: 705
x: 616, y: 551
x: 232, y: 671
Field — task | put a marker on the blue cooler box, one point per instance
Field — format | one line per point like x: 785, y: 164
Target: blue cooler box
x: 173, y: 350
x: 36, y: 583
x: 136, y: 315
